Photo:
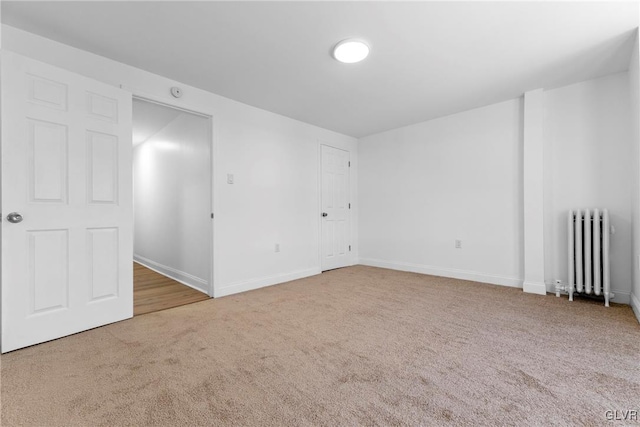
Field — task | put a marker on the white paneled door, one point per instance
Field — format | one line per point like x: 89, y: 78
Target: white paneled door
x: 335, y: 206
x: 66, y: 203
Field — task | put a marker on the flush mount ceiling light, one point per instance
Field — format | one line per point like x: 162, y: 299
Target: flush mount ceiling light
x: 350, y: 51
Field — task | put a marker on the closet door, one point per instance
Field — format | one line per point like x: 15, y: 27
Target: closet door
x: 335, y: 208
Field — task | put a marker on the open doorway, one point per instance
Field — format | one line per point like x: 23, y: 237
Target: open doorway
x: 171, y: 205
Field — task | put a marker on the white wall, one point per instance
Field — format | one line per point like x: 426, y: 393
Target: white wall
x: 634, y: 90
x: 588, y: 141
x: 423, y: 186
x: 458, y: 177
x: 274, y: 159
x: 172, y: 200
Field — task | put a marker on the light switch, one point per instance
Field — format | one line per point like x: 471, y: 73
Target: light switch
x: 229, y: 178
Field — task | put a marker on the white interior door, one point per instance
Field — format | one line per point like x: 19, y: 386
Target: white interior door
x: 66, y: 170
x: 335, y: 197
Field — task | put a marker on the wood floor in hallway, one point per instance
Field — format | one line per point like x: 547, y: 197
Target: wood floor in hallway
x: 154, y: 292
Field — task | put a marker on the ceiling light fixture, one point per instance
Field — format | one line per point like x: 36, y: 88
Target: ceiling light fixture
x: 350, y: 51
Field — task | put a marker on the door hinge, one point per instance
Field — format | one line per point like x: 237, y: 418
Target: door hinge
x: 349, y: 164
x: 349, y: 248
x: 211, y: 215
x: 349, y: 205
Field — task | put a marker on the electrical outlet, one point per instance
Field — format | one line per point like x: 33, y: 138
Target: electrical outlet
x: 458, y: 244
x: 277, y: 247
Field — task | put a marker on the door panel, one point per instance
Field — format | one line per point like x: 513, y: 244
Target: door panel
x: 335, y: 204
x: 48, y: 270
x: 46, y: 92
x: 102, y: 168
x: 102, y: 262
x: 102, y: 107
x: 66, y: 168
x: 48, y: 173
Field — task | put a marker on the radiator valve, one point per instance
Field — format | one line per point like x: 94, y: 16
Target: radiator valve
x: 559, y: 287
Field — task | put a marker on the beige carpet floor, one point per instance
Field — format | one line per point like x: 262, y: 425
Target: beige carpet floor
x: 355, y: 346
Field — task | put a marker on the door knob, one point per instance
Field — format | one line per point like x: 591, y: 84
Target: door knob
x: 14, y: 217
x: 324, y: 214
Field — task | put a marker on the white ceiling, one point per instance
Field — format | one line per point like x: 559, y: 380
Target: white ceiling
x: 428, y: 59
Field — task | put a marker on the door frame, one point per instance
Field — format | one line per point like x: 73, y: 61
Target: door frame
x: 178, y: 105
x: 352, y: 212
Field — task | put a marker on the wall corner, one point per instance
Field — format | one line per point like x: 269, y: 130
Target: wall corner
x: 533, y: 200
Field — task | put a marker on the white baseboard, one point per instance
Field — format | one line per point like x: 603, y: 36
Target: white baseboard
x: 445, y: 272
x: 635, y: 305
x: 621, y: 297
x: 177, y: 275
x: 538, y: 288
x: 249, y: 285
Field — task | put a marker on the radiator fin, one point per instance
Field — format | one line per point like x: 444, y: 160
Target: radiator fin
x: 588, y: 244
